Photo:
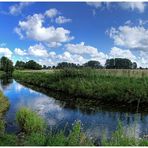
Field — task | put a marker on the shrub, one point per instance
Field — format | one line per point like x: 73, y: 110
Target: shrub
x: 29, y: 121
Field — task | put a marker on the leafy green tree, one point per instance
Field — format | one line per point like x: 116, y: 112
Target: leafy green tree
x: 33, y: 65
x: 118, y: 63
x: 66, y: 65
x: 20, y: 65
x: 93, y: 64
x: 134, y: 65
x: 6, y: 65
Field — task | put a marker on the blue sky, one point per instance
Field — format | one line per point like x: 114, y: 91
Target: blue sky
x: 52, y: 32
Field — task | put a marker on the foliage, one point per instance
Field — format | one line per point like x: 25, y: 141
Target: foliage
x: 2, y: 127
x: 4, y: 104
x: 118, y: 63
x: 35, y: 139
x: 32, y: 65
x: 75, y: 138
x: 93, y: 64
x: 66, y: 65
x: 6, y: 65
x: 20, y: 65
x: 113, y: 86
x: 29, y: 121
x: 8, y: 140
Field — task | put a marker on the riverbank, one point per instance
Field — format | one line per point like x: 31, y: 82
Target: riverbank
x: 4, y: 104
x: 121, y: 87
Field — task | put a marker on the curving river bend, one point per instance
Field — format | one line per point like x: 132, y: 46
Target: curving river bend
x: 61, y: 112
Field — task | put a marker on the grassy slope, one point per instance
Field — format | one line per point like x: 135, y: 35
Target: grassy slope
x: 121, y: 86
x: 4, y: 104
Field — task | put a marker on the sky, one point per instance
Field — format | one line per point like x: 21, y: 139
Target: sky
x: 75, y: 32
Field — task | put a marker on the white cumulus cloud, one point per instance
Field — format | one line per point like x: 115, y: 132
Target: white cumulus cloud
x: 38, y: 50
x: 135, y: 37
x: 5, y: 52
x: 62, y: 20
x: 32, y: 27
x: 140, y: 6
x: 17, y: 8
x: 20, y: 52
x: 51, y: 12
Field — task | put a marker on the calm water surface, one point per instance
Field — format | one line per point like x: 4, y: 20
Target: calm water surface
x: 58, y: 113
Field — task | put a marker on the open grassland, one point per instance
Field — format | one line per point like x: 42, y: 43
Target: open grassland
x: 110, y: 85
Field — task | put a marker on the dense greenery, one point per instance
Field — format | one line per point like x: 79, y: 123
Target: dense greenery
x: 4, y: 104
x: 32, y: 133
x: 91, y: 83
x: 120, y: 138
x: 30, y: 121
x: 28, y: 65
x: 66, y: 65
x: 119, y: 63
x: 6, y: 65
x: 93, y: 64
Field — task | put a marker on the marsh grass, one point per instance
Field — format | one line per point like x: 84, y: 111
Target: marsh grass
x: 4, y: 104
x: 29, y: 121
x: 127, y: 86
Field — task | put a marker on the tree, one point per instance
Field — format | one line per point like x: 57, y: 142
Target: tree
x: 66, y: 65
x: 44, y: 67
x: 20, y: 65
x: 33, y: 65
x: 134, y: 65
x: 118, y: 63
x: 6, y: 65
x: 93, y: 64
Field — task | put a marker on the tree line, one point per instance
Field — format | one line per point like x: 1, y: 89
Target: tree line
x: 6, y: 65
x: 117, y: 63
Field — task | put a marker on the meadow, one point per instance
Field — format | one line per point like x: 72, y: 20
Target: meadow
x: 116, y: 86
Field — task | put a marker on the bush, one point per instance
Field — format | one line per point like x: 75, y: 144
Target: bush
x: 29, y: 121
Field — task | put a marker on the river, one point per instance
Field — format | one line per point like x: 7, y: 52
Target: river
x: 59, y: 113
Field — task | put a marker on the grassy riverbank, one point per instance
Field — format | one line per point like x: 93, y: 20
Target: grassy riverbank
x: 33, y: 132
x: 123, y: 86
x: 4, y: 104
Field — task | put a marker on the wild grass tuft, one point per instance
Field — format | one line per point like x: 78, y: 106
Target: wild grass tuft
x: 29, y: 121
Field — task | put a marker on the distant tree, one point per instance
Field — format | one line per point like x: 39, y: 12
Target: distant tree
x: 6, y: 65
x: 49, y: 67
x: 134, y: 65
x: 66, y: 65
x: 53, y: 67
x: 20, y: 65
x: 118, y: 63
x: 44, y: 67
x: 33, y: 65
x: 93, y: 64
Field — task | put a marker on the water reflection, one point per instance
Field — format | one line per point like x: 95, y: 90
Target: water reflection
x: 95, y: 117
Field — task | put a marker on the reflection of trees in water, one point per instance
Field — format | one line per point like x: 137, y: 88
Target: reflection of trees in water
x: 5, y: 81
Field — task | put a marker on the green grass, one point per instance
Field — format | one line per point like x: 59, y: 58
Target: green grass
x: 29, y: 121
x: 117, y: 86
x: 4, y: 104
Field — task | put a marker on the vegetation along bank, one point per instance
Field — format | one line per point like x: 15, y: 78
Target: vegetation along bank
x: 120, y: 86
